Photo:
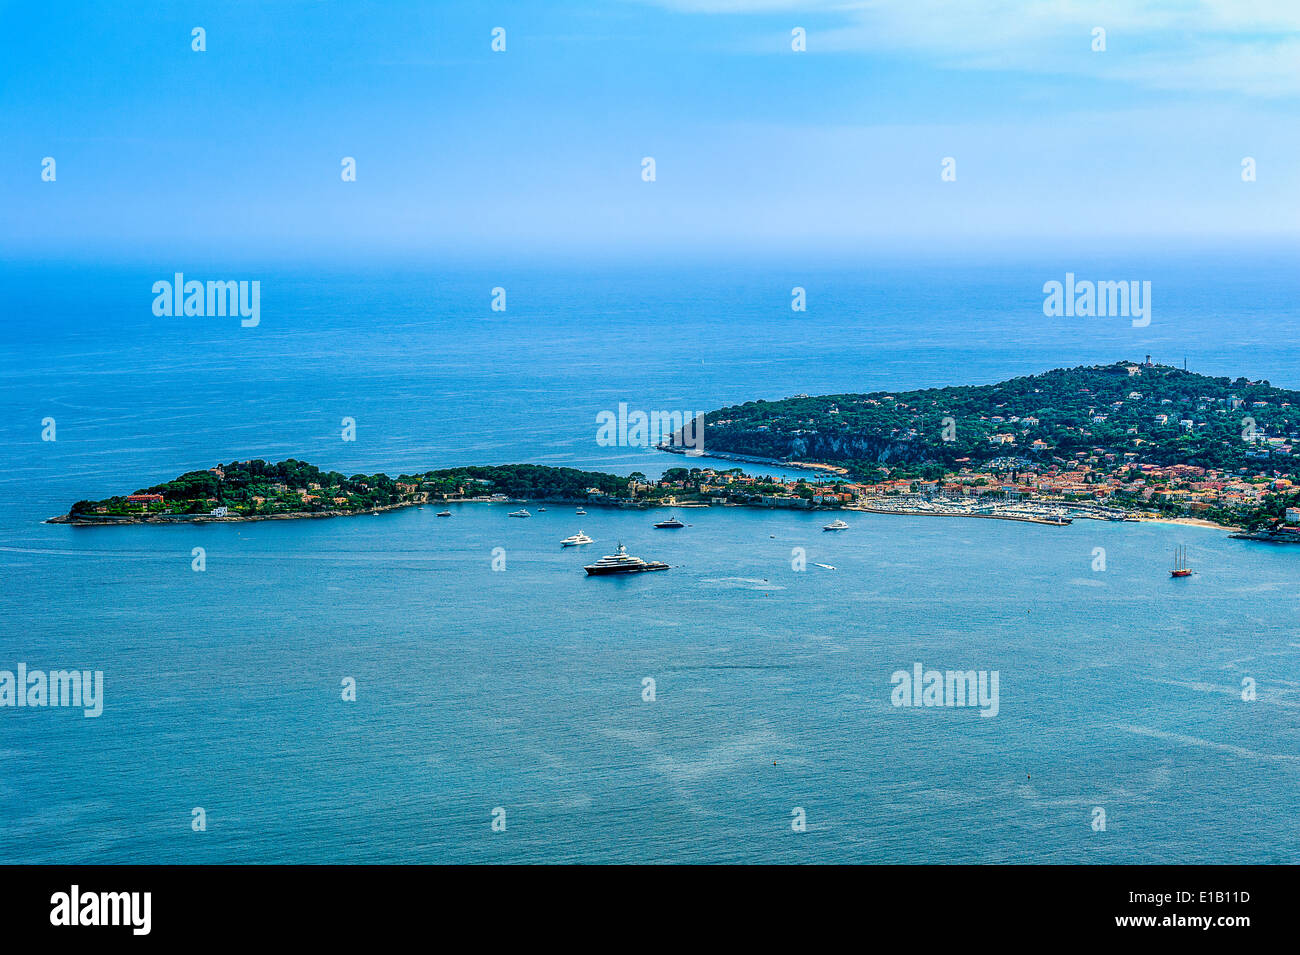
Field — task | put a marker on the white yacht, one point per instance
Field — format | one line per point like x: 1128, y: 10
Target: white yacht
x: 575, y: 540
x: 522, y: 512
x: 836, y: 525
x: 580, y: 512
x: 621, y: 562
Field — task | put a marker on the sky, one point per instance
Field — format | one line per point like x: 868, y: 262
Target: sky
x: 462, y: 150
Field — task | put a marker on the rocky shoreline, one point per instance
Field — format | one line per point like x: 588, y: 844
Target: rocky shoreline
x: 750, y: 459
x: 1267, y: 537
x: 110, y: 520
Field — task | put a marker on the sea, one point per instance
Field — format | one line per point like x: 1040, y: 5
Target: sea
x: 403, y: 688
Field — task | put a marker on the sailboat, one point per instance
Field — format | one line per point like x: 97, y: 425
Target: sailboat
x: 1180, y: 568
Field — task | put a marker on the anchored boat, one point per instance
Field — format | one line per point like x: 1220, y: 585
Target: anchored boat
x: 621, y: 562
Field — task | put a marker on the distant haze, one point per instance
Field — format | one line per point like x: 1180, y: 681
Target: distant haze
x: 458, y: 149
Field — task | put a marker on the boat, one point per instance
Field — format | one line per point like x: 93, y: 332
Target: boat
x: 836, y: 525
x: 580, y: 512
x: 522, y: 512
x: 444, y: 513
x: 575, y: 540
x: 621, y: 562
x: 540, y: 510
x: 671, y: 522
x: 1180, y: 568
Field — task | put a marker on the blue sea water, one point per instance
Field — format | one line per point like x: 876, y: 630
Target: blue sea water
x: 522, y: 689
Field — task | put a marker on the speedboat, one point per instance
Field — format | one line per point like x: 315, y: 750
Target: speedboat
x: 575, y: 540
x: 522, y: 512
x: 621, y: 562
x: 836, y: 525
x: 444, y: 513
x: 671, y: 522
x: 580, y: 512
x: 540, y: 510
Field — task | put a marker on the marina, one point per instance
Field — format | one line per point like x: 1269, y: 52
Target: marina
x: 1032, y: 512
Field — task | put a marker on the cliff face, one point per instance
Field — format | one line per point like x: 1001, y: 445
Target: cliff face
x: 816, y: 446
x: 1118, y: 414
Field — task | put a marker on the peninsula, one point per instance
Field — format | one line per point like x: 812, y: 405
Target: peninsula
x: 1134, y: 436
x: 1116, y: 442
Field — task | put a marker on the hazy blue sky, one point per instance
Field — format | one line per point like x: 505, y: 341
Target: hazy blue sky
x: 460, y: 149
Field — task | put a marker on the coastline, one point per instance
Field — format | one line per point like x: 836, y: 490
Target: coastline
x: 107, y: 521
x: 1055, y: 513
x: 1024, y: 519
x: 1189, y: 522
x: 112, y: 521
x: 751, y: 459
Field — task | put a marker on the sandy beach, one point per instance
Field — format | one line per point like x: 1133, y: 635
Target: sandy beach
x: 1190, y: 522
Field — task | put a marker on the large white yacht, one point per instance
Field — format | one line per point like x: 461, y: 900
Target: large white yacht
x: 522, y: 512
x: 621, y: 562
x: 575, y: 540
x: 836, y: 525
